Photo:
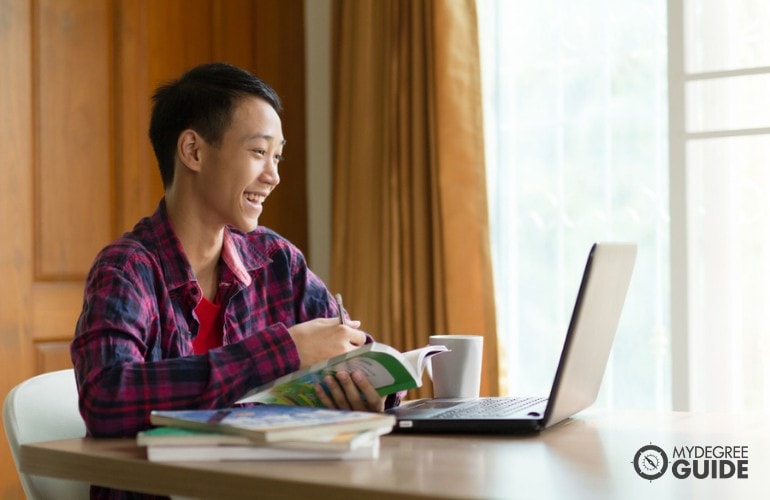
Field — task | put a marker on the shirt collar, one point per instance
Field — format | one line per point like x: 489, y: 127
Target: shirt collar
x: 232, y: 259
x: 239, y: 255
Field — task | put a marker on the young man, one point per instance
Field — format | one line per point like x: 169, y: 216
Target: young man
x: 198, y: 303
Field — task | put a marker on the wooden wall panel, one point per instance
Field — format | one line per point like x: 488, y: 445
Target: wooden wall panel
x: 73, y: 135
x: 76, y: 82
x: 54, y: 310
x: 138, y: 185
x: 16, y: 353
x: 52, y: 356
x: 233, y: 32
x: 280, y: 60
x: 180, y: 37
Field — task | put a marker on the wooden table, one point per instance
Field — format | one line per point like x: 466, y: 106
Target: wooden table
x: 589, y: 456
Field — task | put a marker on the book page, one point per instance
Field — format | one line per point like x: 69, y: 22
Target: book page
x: 418, y: 358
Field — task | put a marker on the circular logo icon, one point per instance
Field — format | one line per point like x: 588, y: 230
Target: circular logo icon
x: 650, y: 462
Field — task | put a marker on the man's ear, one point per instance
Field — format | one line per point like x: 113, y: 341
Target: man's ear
x: 188, y: 149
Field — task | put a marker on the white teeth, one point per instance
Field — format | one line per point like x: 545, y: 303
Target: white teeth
x: 254, y: 198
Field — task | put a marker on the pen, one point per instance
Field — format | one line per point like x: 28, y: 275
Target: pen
x: 340, y: 308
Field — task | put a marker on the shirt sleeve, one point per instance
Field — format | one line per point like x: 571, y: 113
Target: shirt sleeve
x: 124, y: 370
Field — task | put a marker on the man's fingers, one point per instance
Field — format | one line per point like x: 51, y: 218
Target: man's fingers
x: 373, y: 400
x: 349, y: 391
x: 352, y: 392
x: 323, y: 397
x: 337, y: 395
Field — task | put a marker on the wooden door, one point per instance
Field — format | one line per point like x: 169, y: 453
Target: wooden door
x: 76, y: 166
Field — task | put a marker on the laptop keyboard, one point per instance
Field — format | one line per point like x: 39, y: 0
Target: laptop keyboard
x: 491, y: 408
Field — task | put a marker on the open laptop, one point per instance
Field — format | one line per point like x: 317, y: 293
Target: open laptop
x: 579, y: 374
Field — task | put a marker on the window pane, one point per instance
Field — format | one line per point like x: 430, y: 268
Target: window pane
x: 729, y: 263
x: 728, y: 103
x: 726, y: 35
x: 575, y: 121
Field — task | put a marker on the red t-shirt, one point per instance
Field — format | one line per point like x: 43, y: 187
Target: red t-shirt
x: 210, y: 326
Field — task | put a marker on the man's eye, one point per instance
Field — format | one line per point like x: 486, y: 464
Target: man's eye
x: 278, y: 158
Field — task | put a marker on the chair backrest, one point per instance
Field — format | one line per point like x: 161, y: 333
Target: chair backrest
x: 44, y: 408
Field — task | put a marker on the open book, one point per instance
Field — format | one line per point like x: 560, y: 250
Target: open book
x: 387, y: 369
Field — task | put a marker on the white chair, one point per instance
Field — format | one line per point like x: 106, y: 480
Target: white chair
x: 44, y: 408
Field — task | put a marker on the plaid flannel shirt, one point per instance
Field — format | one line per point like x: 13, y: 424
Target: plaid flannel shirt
x: 132, y: 349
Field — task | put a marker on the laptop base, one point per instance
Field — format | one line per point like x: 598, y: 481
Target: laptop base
x: 498, y: 415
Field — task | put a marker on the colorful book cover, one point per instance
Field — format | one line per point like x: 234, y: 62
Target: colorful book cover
x: 387, y: 369
x: 270, y: 423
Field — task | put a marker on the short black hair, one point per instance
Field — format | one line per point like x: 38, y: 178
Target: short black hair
x: 203, y: 100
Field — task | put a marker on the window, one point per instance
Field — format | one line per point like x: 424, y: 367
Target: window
x: 577, y: 151
x: 602, y: 118
x: 720, y: 170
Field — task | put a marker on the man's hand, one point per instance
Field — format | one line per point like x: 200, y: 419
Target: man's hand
x: 350, y: 391
x: 320, y: 339
x: 323, y: 338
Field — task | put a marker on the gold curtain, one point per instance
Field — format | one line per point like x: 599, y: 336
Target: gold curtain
x: 410, y: 240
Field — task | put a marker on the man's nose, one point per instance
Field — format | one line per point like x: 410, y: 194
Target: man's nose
x: 270, y: 174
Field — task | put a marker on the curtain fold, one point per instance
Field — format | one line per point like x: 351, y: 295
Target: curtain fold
x: 410, y: 245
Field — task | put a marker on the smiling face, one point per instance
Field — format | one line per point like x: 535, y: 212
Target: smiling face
x: 237, y: 174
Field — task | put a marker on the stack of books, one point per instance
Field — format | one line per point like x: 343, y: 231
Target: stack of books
x: 291, y: 422
x: 264, y: 432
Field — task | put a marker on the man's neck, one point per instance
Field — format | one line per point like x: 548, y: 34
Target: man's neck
x: 202, y: 243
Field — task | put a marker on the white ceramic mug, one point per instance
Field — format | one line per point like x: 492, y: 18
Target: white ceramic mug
x: 457, y: 374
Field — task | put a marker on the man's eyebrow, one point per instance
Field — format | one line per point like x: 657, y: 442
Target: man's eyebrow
x: 262, y: 136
